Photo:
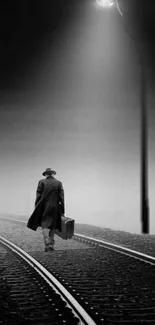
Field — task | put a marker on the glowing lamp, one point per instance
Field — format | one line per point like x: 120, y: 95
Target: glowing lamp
x: 105, y: 3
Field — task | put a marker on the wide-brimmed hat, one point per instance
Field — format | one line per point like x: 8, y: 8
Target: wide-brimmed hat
x: 48, y: 171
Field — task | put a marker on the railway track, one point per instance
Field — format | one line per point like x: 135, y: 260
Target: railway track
x: 39, y: 297
x: 108, y: 283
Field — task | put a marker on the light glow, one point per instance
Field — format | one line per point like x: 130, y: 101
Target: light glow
x: 105, y: 3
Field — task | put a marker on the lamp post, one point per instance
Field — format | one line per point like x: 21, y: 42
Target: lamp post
x: 143, y: 126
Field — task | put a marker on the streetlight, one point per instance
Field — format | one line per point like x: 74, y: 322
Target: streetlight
x: 144, y: 128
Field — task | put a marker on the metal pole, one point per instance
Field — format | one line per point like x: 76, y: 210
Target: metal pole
x: 144, y: 153
x: 143, y: 138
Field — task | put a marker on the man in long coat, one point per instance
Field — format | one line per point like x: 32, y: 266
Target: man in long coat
x: 49, y: 206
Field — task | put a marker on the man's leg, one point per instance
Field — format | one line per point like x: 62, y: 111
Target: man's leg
x: 45, y: 232
x: 51, y: 238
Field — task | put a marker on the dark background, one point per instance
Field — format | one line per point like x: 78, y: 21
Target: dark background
x: 139, y: 19
x: 28, y: 27
x: 25, y: 29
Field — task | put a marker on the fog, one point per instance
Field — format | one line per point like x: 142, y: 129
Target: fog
x: 80, y: 115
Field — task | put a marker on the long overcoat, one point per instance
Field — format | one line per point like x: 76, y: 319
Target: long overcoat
x: 49, y: 205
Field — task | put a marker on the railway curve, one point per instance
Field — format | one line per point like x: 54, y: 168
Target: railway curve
x: 113, y: 284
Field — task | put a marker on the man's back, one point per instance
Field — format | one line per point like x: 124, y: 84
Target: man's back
x: 49, y: 183
x: 54, y: 188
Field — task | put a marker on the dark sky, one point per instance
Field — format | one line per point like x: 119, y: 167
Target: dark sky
x: 69, y: 100
x: 28, y: 28
x: 139, y: 20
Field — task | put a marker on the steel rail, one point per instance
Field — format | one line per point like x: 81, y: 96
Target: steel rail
x: 71, y: 302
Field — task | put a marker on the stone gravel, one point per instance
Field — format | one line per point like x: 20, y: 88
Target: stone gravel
x: 113, y: 286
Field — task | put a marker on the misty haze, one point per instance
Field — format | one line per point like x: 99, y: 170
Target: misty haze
x: 76, y: 110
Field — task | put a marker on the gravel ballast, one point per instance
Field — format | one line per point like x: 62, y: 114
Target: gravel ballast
x: 112, y: 286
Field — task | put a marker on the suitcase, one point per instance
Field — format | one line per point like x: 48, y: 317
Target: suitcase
x: 67, y: 225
